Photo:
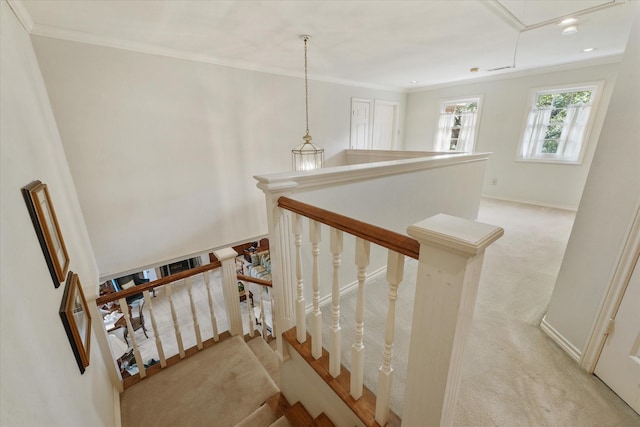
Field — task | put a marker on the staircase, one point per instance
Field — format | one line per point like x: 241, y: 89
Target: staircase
x: 277, y: 411
x: 233, y: 389
x: 232, y: 383
x: 274, y: 413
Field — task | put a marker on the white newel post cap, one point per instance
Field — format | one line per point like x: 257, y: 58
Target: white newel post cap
x: 225, y: 254
x: 459, y: 235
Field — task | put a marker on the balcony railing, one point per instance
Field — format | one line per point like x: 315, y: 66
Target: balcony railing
x: 452, y: 245
x: 449, y: 249
x: 169, y: 286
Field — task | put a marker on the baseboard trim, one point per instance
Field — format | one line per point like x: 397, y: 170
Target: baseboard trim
x: 533, y: 203
x: 562, y: 342
x: 327, y: 298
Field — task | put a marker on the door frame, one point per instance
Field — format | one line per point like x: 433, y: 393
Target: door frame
x: 615, y: 292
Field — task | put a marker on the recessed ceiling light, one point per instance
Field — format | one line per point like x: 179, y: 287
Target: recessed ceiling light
x: 588, y: 49
x: 572, y: 29
x: 414, y: 82
x: 568, y: 21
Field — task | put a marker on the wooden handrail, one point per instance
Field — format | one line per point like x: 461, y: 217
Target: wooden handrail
x: 397, y: 242
x: 161, y: 281
x: 255, y: 280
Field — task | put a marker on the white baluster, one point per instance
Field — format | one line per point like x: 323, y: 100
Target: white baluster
x: 252, y: 326
x: 395, y: 270
x: 335, y: 336
x: 154, y: 326
x: 174, y: 316
x: 214, y: 323
x: 301, y: 325
x: 263, y: 320
x: 273, y: 315
x: 316, y: 314
x: 194, y: 314
x: 136, y: 351
x: 357, y: 350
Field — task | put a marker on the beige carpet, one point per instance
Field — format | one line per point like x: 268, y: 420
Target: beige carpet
x: 514, y: 375
x: 219, y: 387
x: 267, y: 357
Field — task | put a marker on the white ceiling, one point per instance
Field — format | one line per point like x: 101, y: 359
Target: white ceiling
x: 375, y: 43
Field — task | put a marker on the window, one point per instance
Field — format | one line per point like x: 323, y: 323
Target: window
x: 457, y: 126
x: 558, y: 123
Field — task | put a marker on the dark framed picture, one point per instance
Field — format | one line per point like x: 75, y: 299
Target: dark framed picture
x: 45, y: 222
x: 76, y: 319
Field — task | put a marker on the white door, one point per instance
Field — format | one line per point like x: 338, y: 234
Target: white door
x: 385, y: 125
x: 360, y: 119
x: 619, y: 362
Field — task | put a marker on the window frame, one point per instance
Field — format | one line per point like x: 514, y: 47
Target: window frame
x: 456, y: 100
x: 597, y: 88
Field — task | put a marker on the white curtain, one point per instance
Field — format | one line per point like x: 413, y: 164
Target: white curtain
x: 467, y: 132
x: 570, y: 144
x: 443, y: 137
x: 534, y: 132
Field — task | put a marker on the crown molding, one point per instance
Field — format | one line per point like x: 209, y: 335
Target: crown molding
x: 36, y: 29
x: 86, y: 38
x: 611, y: 59
x: 22, y: 14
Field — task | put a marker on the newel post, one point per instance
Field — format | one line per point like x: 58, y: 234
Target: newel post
x: 451, y: 255
x: 282, y: 227
x: 227, y: 258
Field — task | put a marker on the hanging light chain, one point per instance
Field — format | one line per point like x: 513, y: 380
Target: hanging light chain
x: 308, y: 155
x: 306, y: 84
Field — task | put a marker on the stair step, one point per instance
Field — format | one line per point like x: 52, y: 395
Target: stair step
x: 323, y: 421
x: 364, y: 408
x: 267, y: 357
x: 282, y: 422
x: 278, y: 404
x: 261, y: 417
x: 174, y: 360
x: 239, y: 389
x: 298, y: 415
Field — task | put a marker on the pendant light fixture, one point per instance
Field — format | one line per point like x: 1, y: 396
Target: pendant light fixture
x: 307, y: 156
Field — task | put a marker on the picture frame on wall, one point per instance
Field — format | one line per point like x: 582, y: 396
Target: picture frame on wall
x: 76, y: 319
x: 45, y: 222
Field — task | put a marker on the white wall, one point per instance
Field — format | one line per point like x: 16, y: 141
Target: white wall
x: 163, y: 150
x: 392, y: 195
x: 504, y: 105
x: 611, y: 195
x: 41, y: 384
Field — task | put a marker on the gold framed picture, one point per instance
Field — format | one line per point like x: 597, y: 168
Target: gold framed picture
x: 45, y: 222
x: 76, y: 319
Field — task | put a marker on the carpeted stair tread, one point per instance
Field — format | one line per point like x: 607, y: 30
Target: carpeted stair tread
x: 219, y: 386
x: 282, y: 422
x: 261, y: 417
x: 267, y: 357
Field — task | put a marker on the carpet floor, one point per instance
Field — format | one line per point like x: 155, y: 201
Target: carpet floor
x: 216, y: 387
x: 513, y: 374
